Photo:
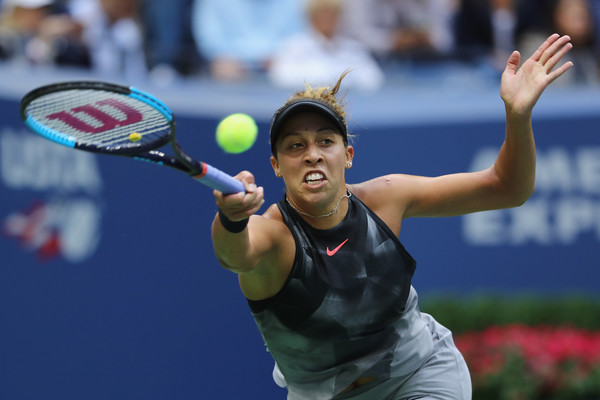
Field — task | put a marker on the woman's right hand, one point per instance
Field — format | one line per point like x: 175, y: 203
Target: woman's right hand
x: 239, y: 206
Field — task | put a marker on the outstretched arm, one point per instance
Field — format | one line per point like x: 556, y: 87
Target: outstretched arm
x: 510, y: 181
x: 261, y: 252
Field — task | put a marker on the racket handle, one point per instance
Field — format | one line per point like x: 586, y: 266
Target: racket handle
x: 219, y: 180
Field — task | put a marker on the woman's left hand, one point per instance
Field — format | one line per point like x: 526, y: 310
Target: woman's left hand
x: 522, y: 87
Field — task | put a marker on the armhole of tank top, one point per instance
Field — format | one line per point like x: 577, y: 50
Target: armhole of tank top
x: 258, y: 306
x: 387, y: 229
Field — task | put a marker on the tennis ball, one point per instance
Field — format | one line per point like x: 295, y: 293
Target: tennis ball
x: 236, y: 133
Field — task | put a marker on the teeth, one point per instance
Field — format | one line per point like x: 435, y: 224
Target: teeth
x: 314, y: 177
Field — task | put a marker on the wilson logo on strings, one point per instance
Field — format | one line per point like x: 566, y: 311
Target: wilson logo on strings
x: 107, y: 121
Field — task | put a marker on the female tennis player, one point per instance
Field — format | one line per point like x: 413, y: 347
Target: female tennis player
x: 327, y: 280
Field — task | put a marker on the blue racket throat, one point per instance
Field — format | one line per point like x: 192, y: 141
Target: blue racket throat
x: 106, y: 118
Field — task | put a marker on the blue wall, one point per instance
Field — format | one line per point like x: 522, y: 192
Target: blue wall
x: 109, y: 287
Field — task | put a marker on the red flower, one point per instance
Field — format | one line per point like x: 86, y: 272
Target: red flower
x: 552, y: 361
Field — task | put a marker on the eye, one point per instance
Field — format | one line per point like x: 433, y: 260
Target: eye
x: 327, y: 141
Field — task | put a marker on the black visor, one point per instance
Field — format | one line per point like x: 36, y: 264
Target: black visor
x: 295, y: 107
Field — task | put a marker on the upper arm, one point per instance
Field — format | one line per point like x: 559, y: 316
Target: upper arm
x: 398, y: 196
x: 244, y: 251
x: 454, y: 194
x: 262, y: 255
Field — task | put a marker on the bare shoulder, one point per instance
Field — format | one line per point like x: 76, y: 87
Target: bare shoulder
x: 278, y: 229
x: 382, y: 191
x: 270, y: 224
x: 273, y: 213
x: 273, y: 233
x: 387, y: 196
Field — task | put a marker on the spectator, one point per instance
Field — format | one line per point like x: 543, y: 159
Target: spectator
x: 238, y: 37
x: 595, y: 6
x: 489, y: 30
x: 39, y: 32
x: 413, y: 29
x: 576, y: 19
x: 20, y: 29
x: 113, y: 36
x: 169, y: 46
x: 321, y: 53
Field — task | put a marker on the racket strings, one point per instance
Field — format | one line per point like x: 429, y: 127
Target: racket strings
x: 100, y: 118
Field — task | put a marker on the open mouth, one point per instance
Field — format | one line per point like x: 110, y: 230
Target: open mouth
x: 314, y: 178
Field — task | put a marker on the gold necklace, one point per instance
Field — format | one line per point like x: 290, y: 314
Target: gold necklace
x: 329, y: 214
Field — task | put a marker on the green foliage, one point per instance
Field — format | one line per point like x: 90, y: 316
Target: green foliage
x: 474, y: 313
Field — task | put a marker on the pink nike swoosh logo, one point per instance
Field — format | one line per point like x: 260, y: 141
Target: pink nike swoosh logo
x: 332, y: 252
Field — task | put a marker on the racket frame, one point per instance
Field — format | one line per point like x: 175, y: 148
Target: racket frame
x: 202, y: 172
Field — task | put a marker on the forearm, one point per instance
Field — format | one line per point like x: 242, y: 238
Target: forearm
x: 520, y: 89
x: 232, y: 249
x: 515, y: 165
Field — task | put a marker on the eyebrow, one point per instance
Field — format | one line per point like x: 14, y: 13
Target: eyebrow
x: 332, y: 128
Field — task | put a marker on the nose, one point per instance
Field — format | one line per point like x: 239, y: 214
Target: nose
x: 312, y: 155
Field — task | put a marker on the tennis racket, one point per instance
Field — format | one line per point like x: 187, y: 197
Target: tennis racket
x: 112, y: 119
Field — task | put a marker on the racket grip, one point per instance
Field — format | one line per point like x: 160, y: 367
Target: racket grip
x: 220, y: 180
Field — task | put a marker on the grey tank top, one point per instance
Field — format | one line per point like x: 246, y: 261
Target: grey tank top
x: 347, y: 309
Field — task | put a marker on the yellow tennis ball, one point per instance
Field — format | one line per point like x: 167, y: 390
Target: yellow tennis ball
x: 236, y: 133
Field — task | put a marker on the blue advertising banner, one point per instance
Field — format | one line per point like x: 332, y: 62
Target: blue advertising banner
x: 109, y: 287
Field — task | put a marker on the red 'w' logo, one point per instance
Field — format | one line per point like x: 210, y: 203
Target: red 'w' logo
x: 107, y: 121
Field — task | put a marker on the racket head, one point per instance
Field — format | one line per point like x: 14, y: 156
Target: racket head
x: 99, y: 117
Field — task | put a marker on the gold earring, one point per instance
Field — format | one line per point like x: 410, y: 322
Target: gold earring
x: 278, y: 174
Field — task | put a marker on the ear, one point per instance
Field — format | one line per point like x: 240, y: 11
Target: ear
x: 275, y: 165
x: 349, y: 155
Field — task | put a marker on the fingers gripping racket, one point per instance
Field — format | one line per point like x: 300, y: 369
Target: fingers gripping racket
x: 112, y: 119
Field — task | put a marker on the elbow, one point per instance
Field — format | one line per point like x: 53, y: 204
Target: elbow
x: 232, y: 267
x: 234, y: 264
x: 513, y: 191
x: 518, y: 202
x: 520, y: 197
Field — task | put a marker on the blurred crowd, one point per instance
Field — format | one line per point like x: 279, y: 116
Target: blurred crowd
x: 289, y: 42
